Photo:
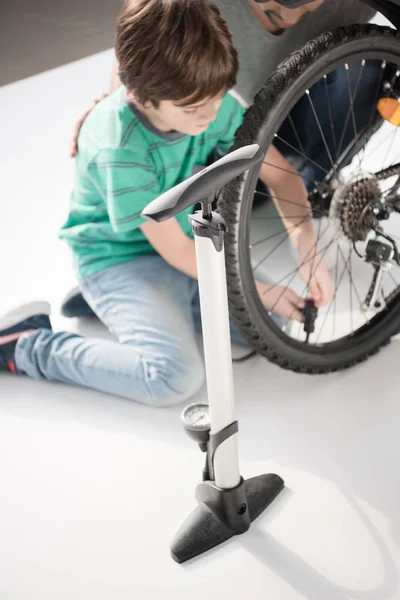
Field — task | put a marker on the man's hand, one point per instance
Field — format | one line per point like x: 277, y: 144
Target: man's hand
x: 315, y: 274
x: 291, y: 200
x: 77, y: 127
x: 282, y: 301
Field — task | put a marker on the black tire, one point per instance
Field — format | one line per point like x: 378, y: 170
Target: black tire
x: 277, y: 97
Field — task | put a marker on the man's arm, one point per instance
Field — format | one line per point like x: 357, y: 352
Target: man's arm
x: 291, y: 200
x: 290, y: 197
x: 114, y: 85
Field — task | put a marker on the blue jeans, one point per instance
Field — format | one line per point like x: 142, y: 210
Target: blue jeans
x: 153, y: 311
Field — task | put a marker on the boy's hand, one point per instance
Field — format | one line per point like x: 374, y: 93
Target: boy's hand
x: 77, y: 127
x: 282, y: 301
x: 314, y: 272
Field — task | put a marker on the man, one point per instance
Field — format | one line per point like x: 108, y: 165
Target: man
x: 264, y: 34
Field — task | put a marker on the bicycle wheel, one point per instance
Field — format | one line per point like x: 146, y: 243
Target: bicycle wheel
x: 349, y: 167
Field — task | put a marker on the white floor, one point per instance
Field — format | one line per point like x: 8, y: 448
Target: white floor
x: 92, y: 488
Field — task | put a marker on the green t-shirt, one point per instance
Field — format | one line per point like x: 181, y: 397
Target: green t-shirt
x: 124, y: 163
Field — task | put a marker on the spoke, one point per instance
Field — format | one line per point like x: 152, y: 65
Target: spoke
x: 388, y: 139
x: 390, y: 147
x: 397, y: 75
x: 288, y: 201
x: 302, y: 154
x: 301, y: 147
x: 306, y: 287
x: 337, y: 285
x: 353, y: 286
x: 331, y: 118
x: 346, y: 122
x: 331, y: 304
x: 274, y: 248
x: 378, y: 146
x: 364, y: 146
x: 296, y: 174
x: 296, y: 269
x: 393, y: 83
x: 293, y: 273
x: 393, y: 279
x: 316, y: 246
x: 396, y: 237
x: 349, y: 271
x: 335, y: 299
x: 393, y: 189
x: 378, y: 89
x: 278, y: 217
x: 321, y: 131
x: 374, y: 105
x: 303, y: 296
x: 270, y: 237
x: 353, y: 116
x: 351, y: 292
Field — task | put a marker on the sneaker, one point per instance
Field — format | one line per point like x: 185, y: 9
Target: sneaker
x: 24, y: 319
x: 75, y: 305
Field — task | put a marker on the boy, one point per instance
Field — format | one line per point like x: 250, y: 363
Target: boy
x: 176, y: 62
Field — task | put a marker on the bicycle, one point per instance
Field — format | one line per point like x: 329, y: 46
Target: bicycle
x: 353, y: 186
x: 355, y: 199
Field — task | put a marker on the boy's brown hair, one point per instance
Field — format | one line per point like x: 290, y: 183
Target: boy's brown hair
x: 179, y: 50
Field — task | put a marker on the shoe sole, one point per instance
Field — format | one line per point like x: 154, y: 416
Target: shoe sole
x: 23, y: 312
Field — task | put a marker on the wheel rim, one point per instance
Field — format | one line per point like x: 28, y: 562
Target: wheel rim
x: 261, y: 250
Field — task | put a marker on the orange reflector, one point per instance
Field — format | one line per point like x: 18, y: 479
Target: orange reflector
x: 389, y: 109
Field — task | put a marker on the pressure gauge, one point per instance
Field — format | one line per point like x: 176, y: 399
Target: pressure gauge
x: 196, y: 421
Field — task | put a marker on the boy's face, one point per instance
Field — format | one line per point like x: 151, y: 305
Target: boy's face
x: 192, y: 119
x: 282, y: 18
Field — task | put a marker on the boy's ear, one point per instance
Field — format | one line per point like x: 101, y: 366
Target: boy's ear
x: 131, y: 95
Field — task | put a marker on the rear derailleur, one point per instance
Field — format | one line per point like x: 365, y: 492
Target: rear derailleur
x: 380, y: 255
